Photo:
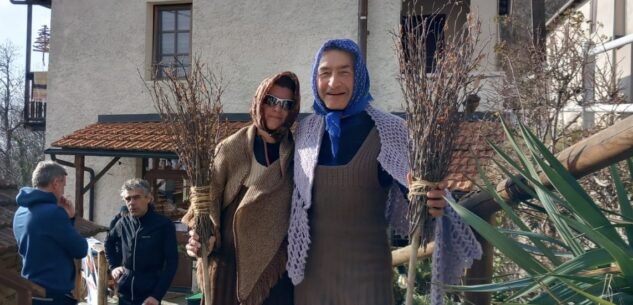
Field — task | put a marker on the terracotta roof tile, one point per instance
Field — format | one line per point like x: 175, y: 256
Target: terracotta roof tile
x: 130, y: 136
x: 471, y: 144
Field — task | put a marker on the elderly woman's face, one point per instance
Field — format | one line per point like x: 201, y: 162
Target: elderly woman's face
x: 275, y: 108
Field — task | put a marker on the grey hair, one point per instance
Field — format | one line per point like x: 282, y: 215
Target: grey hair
x: 135, y: 184
x: 45, y: 172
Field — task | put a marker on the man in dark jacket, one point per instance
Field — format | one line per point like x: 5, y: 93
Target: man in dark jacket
x: 141, y: 248
x: 46, y: 238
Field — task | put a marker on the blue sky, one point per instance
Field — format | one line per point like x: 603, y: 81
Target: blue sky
x: 13, y: 28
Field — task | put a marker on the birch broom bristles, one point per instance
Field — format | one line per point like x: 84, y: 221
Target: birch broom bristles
x: 432, y: 104
x: 191, y: 108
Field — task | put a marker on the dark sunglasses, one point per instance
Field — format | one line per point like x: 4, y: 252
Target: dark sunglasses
x: 272, y: 101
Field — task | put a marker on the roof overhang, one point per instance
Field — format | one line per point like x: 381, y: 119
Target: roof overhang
x: 110, y: 153
x: 128, y: 135
x: 555, y: 18
x: 44, y: 3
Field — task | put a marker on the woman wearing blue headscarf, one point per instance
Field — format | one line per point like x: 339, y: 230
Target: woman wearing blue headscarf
x: 350, y: 173
x: 349, y: 156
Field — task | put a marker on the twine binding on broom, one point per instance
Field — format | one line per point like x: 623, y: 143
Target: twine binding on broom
x: 200, y: 199
x: 420, y: 187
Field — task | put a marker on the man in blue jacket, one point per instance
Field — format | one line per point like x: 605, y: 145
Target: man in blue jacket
x: 141, y: 248
x: 46, y: 238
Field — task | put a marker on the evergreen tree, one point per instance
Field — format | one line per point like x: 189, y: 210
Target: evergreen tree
x: 42, y: 42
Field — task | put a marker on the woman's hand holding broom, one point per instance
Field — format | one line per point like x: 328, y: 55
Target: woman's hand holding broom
x: 435, y: 198
x: 193, y: 244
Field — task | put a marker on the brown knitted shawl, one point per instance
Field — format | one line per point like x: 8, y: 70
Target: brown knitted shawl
x: 261, y: 219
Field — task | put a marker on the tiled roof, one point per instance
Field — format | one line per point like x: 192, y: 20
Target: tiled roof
x: 153, y: 137
x: 470, y: 145
x: 128, y: 136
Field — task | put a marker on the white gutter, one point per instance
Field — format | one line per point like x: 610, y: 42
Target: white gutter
x: 616, y: 43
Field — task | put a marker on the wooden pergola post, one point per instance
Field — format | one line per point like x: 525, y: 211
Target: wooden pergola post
x: 79, y: 212
x: 79, y: 185
x: 481, y: 271
x: 102, y: 275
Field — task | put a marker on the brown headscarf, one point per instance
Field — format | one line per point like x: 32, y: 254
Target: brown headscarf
x: 257, y: 113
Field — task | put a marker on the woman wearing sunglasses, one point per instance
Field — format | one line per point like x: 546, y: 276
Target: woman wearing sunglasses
x: 252, y: 189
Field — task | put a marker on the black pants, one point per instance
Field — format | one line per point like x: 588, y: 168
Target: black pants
x: 55, y: 299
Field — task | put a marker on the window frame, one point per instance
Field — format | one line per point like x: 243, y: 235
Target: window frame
x: 157, y: 45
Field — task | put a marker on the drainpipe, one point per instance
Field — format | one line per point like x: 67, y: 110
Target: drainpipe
x: 588, y: 73
x: 28, y: 77
x: 362, y: 27
x: 91, y: 200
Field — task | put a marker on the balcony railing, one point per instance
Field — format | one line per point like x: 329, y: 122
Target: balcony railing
x: 35, y: 114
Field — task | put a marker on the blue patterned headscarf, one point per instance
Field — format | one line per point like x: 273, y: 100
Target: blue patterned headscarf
x: 360, y: 95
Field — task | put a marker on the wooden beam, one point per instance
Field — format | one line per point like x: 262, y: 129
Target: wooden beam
x: 102, y: 275
x: 100, y: 174
x: 79, y: 185
x: 24, y: 289
x: 481, y: 271
x: 152, y: 178
x: 401, y: 256
x: 78, y: 280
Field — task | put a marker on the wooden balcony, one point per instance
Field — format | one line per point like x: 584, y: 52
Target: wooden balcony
x: 35, y: 115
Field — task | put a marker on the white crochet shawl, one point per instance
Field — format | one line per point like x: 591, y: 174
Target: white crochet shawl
x: 393, y: 158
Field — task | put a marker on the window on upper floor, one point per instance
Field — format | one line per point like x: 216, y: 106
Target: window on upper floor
x: 172, y: 40
x: 504, y: 7
x: 434, y: 29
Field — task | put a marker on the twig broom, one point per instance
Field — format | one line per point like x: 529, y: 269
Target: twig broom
x: 432, y: 102
x: 190, y: 105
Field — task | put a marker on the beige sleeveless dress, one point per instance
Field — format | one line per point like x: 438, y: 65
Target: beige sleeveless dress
x: 349, y: 261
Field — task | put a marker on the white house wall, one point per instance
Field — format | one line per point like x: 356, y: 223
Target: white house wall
x: 610, y: 23
x: 486, y: 11
x: 99, y: 48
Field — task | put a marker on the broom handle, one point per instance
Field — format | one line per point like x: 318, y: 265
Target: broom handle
x: 206, y: 277
x: 415, y: 245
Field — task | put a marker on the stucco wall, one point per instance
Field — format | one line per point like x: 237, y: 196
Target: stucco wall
x: 95, y: 53
x: 605, y: 17
x: 628, y: 24
x: 625, y: 54
x: 99, y: 48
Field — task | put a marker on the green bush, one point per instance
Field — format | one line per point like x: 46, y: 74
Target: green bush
x: 569, y: 268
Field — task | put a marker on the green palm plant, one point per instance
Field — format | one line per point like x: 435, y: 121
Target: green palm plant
x: 572, y: 267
